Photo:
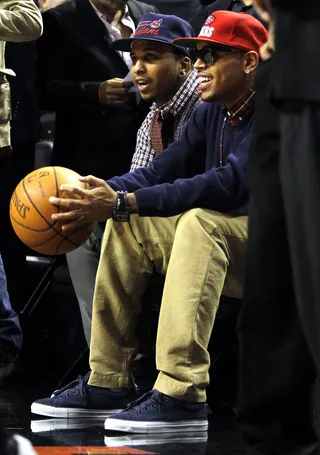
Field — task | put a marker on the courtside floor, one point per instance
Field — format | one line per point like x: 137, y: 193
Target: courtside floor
x: 88, y: 437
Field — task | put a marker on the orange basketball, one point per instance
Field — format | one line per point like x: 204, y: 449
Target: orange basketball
x: 30, y: 211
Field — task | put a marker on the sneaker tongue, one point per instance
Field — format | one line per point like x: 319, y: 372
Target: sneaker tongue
x: 80, y: 381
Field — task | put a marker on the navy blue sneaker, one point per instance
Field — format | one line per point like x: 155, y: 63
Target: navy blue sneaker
x: 156, y: 412
x: 78, y: 399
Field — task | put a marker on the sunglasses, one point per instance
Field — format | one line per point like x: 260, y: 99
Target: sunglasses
x: 209, y: 55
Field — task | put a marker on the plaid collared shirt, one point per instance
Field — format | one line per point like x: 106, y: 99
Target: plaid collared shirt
x: 241, y: 109
x: 180, y: 106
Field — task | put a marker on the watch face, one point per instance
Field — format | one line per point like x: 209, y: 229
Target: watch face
x: 121, y: 216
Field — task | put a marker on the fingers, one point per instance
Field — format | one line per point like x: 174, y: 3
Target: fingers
x: 66, y: 216
x: 114, y: 100
x: 118, y: 83
x: 80, y: 223
x: 116, y: 91
x: 82, y: 192
x: 93, y: 181
x: 71, y: 204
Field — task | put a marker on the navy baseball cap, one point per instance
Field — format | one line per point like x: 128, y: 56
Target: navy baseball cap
x: 161, y: 28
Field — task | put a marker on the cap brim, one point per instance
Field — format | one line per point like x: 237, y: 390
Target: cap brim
x: 124, y: 44
x: 192, y: 43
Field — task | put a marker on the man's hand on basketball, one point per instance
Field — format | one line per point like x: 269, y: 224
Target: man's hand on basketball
x: 87, y: 206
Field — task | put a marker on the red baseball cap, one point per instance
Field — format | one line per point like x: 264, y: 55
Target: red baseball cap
x: 226, y: 28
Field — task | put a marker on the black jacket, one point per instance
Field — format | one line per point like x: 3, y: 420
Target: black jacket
x: 25, y: 124
x: 187, y: 9
x: 296, y: 69
x: 74, y: 57
x: 217, y: 6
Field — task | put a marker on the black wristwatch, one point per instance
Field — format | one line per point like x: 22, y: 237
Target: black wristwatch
x: 121, y: 211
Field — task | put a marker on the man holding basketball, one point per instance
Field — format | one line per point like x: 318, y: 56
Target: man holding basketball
x: 185, y: 216
x: 19, y: 21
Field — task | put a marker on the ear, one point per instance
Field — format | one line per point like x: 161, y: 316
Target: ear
x: 250, y: 62
x: 185, y: 66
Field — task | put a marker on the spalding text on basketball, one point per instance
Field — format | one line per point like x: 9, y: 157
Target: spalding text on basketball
x: 20, y: 207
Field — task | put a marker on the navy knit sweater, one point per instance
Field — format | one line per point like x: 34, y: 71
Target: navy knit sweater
x: 188, y: 174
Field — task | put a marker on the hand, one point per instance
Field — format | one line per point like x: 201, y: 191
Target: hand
x: 268, y: 48
x: 47, y: 4
x: 114, y: 92
x: 95, y: 204
x: 263, y: 8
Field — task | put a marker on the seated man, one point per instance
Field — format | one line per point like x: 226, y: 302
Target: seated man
x: 184, y: 216
x: 172, y: 87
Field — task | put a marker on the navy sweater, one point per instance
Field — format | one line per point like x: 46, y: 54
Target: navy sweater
x: 188, y: 174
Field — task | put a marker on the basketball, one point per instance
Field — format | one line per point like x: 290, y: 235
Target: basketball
x: 30, y: 211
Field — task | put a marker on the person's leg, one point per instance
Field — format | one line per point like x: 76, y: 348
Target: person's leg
x: 10, y: 331
x: 300, y: 172
x: 206, y: 257
x: 276, y: 372
x: 83, y: 264
x: 130, y: 254
x: 13, y: 169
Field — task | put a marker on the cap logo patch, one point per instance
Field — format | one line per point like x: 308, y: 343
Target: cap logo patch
x: 156, y: 24
x: 143, y: 24
x: 148, y: 27
x: 206, y: 31
x: 210, y: 20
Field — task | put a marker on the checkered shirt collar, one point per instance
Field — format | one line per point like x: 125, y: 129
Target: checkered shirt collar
x: 178, y: 101
x: 241, y: 109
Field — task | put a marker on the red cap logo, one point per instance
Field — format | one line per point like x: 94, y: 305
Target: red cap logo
x: 156, y: 24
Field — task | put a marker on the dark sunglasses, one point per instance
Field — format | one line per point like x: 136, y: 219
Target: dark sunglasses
x: 208, y: 55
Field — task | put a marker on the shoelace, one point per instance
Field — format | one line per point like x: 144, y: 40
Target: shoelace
x: 80, y: 382
x: 151, y: 398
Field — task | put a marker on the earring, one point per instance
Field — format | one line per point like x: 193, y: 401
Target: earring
x: 247, y: 71
x: 182, y: 73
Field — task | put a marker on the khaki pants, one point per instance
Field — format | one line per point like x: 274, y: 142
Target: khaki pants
x: 202, y: 254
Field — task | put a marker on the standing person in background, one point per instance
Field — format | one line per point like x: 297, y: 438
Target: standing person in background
x: 19, y: 21
x: 81, y: 80
x: 237, y: 6
x: 279, y: 399
x: 25, y: 130
x: 186, y: 9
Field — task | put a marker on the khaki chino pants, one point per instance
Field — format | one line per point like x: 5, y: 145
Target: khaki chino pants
x: 202, y: 254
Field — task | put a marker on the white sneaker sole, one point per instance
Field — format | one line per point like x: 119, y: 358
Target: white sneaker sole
x: 180, y: 426
x: 156, y: 439
x: 40, y: 426
x: 69, y: 413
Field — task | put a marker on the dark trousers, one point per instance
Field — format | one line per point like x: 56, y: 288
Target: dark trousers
x: 10, y: 331
x: 277, y: 402
x: 13, y: 169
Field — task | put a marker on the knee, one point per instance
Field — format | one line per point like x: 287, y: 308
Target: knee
x: 198, y: 218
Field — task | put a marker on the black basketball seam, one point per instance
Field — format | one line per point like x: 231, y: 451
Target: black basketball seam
x: 44, y: 242
x: 66, y: 238
x: 27, y: 227
x: 51, y: 225
x: 57, y: 185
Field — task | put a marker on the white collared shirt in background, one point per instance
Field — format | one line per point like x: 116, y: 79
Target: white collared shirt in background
x: 115, y: 33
